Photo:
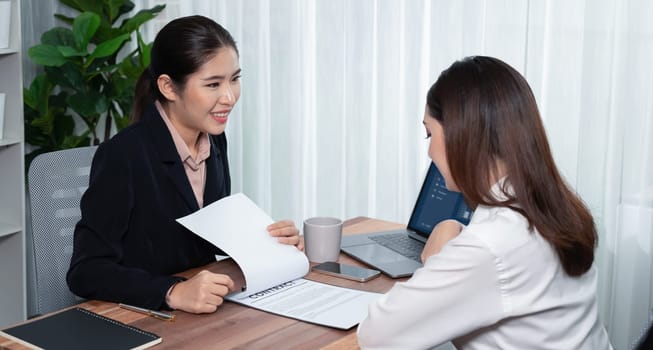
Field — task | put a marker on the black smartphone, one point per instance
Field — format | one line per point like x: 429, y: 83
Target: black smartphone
x: 351, y: 272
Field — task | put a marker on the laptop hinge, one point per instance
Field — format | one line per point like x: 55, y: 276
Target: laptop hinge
x: 417, y: 236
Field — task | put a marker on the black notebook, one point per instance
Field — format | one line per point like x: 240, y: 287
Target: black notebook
x: 80, y: 329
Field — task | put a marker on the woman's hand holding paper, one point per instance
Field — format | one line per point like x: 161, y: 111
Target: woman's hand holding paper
x: 286, y: 233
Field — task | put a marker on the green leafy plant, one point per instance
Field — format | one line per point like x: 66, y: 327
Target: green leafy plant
x: 89, y: 71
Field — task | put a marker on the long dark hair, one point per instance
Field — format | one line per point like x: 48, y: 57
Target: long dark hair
x: 489, y: 114
x: 180, y: 48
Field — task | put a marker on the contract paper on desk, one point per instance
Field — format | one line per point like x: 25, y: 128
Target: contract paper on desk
x: 313, y: 302
x: 273, y: 271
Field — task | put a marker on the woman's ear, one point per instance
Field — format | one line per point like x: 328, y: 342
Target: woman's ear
x: 167, y: 87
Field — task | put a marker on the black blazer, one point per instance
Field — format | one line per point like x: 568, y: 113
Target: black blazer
x: 127, y: 244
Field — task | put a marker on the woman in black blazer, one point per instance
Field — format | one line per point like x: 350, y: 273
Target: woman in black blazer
x: 127, y: 244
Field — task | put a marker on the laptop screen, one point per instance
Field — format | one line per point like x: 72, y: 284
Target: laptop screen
x: 435, y: 203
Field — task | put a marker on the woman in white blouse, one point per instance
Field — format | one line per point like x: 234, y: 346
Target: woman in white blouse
x: 520, y: 275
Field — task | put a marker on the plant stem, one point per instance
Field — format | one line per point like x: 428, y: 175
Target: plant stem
x: 107, y: 124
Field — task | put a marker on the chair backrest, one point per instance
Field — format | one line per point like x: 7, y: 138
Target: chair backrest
x: 56, y: 182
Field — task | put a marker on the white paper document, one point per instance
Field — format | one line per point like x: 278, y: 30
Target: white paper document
x: 238, y: 226
x: 313, y: 302
x: 273, y: 271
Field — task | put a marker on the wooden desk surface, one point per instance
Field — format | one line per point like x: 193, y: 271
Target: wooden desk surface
x: 237, y: 326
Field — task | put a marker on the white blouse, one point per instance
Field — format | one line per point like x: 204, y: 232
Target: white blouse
x: 495, y: 286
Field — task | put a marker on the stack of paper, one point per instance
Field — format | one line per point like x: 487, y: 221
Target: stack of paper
x: 273, y: 271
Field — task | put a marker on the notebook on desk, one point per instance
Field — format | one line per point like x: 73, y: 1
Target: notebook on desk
x: 79, y: 328
x: 397, y: 253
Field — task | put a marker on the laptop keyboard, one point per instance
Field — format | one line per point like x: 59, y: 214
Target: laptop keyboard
x: 401, y: 244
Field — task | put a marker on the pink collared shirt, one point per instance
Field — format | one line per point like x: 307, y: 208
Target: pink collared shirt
x: 195, y: 167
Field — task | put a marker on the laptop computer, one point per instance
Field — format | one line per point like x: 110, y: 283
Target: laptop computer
x: 397, y: 253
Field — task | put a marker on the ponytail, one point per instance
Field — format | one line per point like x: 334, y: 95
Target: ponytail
x: 146, y: 93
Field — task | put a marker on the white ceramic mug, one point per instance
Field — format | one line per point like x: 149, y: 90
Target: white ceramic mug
x: 322, y: 237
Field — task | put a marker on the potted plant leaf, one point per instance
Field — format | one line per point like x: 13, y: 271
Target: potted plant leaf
x: 89, y: 73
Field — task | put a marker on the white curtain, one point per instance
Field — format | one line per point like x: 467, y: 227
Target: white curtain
x: 329, y: 121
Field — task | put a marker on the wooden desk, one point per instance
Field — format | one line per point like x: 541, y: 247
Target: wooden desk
x: 237, y: 326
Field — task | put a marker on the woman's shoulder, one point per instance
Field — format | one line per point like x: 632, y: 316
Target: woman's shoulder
x: 500, y: 229
x: 149, y: 126
x: 132, y: 135
x: 124, y: 145
x: 486, y: 217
